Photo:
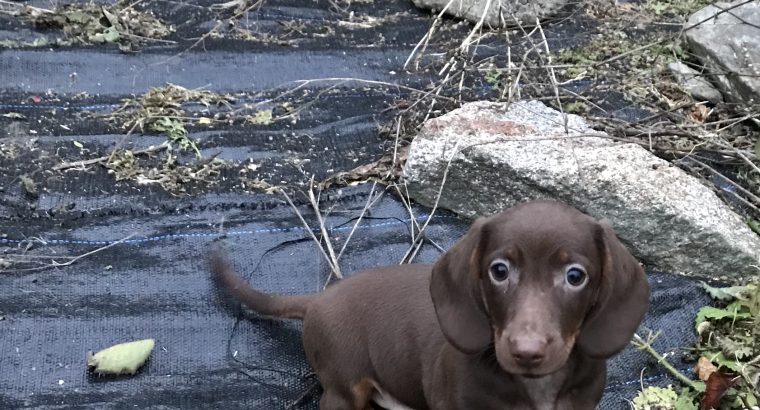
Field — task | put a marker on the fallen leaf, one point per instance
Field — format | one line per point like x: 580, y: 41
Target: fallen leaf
x: 723, y: 294
x: 709, y: 312
x: 263, y: 117
x: 717, y: 385
x: 754, y: 224
x: 699, y: 113
x: 705, y: 368
x: 123, y: 358
x: 29, y: 186
x: 750, y: 399
x: 204, y: 121
x: 14, y: 116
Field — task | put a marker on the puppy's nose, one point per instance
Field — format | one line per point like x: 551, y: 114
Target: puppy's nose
x: 528, y: 351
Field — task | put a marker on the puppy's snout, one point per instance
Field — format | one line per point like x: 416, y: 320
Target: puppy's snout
x: 528, y: 351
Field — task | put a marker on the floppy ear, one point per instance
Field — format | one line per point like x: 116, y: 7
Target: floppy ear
x: 455, y: 289
x: 622, y: 299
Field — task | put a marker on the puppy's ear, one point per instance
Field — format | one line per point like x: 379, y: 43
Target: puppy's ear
x: 455, y: 288
x: 622, y: 301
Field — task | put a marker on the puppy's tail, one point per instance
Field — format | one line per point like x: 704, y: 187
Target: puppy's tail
x: 288, y: 307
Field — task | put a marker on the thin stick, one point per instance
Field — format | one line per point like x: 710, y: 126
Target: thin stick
x: 464, y: 47
x: 308, y: 229
x: 646, y: 345
x: 84, y: 163
x: 437, y: 200
x: 726, y: 179
x: 367, y: 206
x: 428, y: 35
x: 74, y: 259
x: 323, y: 229
x: 408, y: 205
x: 726, y: 10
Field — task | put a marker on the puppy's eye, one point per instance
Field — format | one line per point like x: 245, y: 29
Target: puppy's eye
x: 499, y: 270
x: 575, y: 277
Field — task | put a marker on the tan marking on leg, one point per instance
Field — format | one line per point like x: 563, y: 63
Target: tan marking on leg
x: 362, y: 394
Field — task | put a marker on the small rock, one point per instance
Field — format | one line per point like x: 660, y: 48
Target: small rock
x: 694, y: 83
x: 499, y: 155
x: 499, y: 11
x: 727, y: 42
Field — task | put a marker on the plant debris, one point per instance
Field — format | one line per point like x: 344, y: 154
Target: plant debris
x: 384, y: 170
x: 161, y: 109
x: 729, y: 337
x: 91, y: 23
x: 662, y: 398
x: 169, y: 174
x: 728, y: 350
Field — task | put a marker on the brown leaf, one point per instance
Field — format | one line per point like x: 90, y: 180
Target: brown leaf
x: 699, y: 113
x: 717, y: 385
x: 705, y: 368
x: 382, y: 169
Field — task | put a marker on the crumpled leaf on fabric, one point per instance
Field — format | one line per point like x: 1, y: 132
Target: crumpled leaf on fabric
x: 123, y: 358
x: 717, y: 385
x: 704, y: 368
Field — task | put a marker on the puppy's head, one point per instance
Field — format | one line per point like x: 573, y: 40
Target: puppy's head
x: 535, y: 282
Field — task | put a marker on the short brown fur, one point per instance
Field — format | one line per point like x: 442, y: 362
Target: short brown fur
x: 452, y: 336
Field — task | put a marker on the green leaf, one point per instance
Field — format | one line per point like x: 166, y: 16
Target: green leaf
x: 493, y: 77
x: 721, y: 360
x: 124, y: 358
x: 723, y: 294
x: 655, y: 398
x: 111, y: 35
x: 263, y: 117
x: 39, y: 42
x: 740, y: 350
x: 709, y: 312
x: 76, y: 16
x: 751, y: 399
x: 754, y: 224
x: 685, y: 402
x: 576, y: 107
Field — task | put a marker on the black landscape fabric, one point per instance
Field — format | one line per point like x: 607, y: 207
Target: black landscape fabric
x: 147, y: 275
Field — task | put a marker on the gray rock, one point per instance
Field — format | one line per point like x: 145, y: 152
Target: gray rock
x: 727, y: 44
x: 694, y: 83
x: 498, y: 156
x: 499, y: 11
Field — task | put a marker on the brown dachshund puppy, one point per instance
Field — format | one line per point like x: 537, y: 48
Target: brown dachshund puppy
x: 521, y: 313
